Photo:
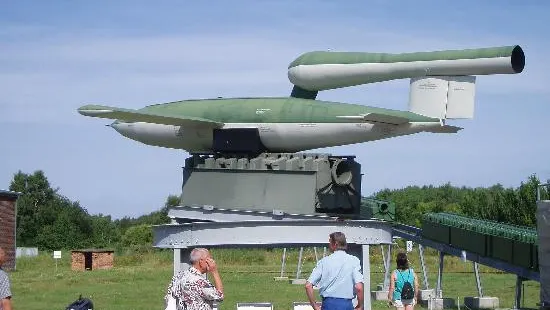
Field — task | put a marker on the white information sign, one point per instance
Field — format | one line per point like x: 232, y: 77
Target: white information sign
x: 56, y: 254
x: 409, y: 246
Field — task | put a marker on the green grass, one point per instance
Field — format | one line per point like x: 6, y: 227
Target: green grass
x: 138, y: 280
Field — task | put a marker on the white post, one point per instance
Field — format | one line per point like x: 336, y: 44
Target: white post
x: 366, y: 277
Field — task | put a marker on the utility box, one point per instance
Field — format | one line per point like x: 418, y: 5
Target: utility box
x: 294, y: 183
x: 8, y: 215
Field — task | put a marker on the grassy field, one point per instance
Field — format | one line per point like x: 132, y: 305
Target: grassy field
x: 138, y: 280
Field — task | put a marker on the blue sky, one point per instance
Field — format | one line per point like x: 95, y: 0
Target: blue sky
x: 58, y: 55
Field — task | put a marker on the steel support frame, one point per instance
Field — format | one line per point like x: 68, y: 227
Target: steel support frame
x: 362, y: 251
x: 283, y: 262
x: 365, y: 259
x: 299, y: 267
x: 184, y: 214
x: 518, y: 292
x: 387, y: 266
x: 275, y: 233
x: 438, y: 288
x: 478, y: 280
x: 423, y: 264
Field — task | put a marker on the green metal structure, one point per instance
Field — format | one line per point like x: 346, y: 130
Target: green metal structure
x: 510, y: 243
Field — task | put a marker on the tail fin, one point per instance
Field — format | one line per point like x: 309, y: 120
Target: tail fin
x: 443, y: 97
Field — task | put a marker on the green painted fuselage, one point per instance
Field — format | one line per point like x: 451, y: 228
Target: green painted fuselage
x: 285, y: 124
x: 273, y: 110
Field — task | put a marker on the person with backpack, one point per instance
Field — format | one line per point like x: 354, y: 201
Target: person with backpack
x: 403, y: 290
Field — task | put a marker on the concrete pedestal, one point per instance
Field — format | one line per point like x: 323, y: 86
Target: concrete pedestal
x: 440, y: 303
x: 298, y: 281
x: 427, y: 294
x: 481, y: 302
x: 379, y: 295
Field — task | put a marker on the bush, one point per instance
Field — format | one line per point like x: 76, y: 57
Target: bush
x: 137, y: 236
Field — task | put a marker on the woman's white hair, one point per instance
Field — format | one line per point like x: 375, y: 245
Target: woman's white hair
x: 197, y: 254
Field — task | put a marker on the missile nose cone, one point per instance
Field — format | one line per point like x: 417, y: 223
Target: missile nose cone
x: 123, y: 128
x: 115, y: 125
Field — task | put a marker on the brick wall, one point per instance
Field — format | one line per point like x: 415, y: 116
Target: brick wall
x: 100, y: 260
x: 7, y: 230
x: 77, y: 261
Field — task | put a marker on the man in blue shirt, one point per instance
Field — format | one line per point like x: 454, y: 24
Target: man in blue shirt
x: 338, y: 277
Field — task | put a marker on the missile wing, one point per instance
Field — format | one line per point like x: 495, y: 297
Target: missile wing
x: 129, y: 115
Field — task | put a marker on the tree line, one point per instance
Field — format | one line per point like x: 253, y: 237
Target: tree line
x: 50, y: 221
x: 506, y: 205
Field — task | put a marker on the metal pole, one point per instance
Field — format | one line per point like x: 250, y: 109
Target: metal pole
x: 517, y: 302
x: 438, y: 293
x: 423, y: 264
x: 183, y: 259
x: 299, y: 270
x: 523, y: 292
x: 478, y: 280
x: 177, y: 260
x: 366, y: 277
x: 383, y: 257
x: 387, y: 272
x: 283, y: 263
x: 316, y: 257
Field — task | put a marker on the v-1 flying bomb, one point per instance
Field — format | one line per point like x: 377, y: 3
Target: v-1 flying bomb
x: 442, y: 87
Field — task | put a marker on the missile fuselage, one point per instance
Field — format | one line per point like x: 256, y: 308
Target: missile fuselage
x: 442, y: 87
x: 284, y: 124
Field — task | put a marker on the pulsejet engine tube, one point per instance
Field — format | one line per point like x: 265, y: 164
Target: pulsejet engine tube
x: 317, y: 71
